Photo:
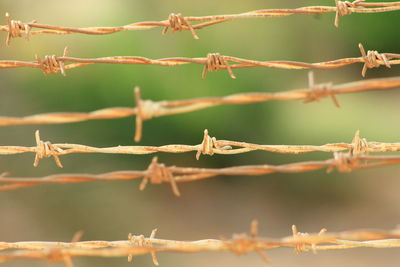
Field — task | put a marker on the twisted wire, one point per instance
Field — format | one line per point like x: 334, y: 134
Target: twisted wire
x: 158, y: 173
x: 178, y: 22
x: 148, y: 109
x: 213, y: 62
x: 208, y: 146
x: 238, y: 244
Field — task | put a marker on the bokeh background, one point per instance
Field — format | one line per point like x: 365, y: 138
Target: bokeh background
x: 215, y: 207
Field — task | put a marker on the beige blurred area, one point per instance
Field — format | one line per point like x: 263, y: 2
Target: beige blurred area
x: 216, y: 207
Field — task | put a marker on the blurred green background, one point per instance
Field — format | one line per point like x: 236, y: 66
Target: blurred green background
x: 215, y: 207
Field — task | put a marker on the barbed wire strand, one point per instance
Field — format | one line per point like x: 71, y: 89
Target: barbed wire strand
x: 238, y: 244
x: 213, y: 62
x: 148, y: 109
x: 209, y: 146
x: 178, y: 22
x: 158, y: 173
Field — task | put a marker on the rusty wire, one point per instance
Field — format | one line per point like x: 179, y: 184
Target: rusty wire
x: 148, y: 109
x: 209, y: 146
x: 238, y: 244
x: 213, y: 62
x: 158, y: 173
x: 178, y: 22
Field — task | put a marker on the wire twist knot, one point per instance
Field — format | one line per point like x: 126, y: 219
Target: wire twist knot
x: 215, y: 62
x: 141, y: 241
x: 359, y: 145
x: 243, y: 244
x: 46, y: 150
x: 55, y: 255
x: 344, y: 162
x: 52, y: 64
x: 372, y: 59
x: 58, y: 255
x: 300, y: 244
x: 208, y: 145
x: 177, y: 23
x: 17, y: 28
x: 150, y: 109
x: 158, y: 173
x: 344, y: 8
x: 146, y: 109
x: 318, y: 91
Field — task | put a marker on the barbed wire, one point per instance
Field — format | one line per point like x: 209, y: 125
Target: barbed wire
x: 158, y: 173
x: 148, y: 109
x: 178, y: 22
x: 209, y: 146
x: 213, y: 62
x: 238, y: 244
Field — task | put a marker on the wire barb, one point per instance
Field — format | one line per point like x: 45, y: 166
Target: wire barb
x: 15, y: 29
x: 345, y: 162
x: 57, y: 255
x: 177, y: 23
x: 243, y: 244
x: 52, y: 64
x: 344, y: 8
x: 146, y: 109
x: 141, y: 241
x: 371, y: 59
x: 300, y: 244
x: 359, y: 145
x: 214, y: 63
x: 318, y: 91
x: 158, y: 173
x: 46, y: 150
x: 208, y: 145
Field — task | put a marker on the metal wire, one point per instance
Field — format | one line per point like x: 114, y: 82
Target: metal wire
x: 238, y: 244
x: 148, y: 109
x: 209, y: 146
x: 158, y: 173
x: 177, y: 22
x: 213, y: 62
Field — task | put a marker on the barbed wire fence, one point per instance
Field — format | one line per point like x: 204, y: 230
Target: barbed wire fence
x: 178, y: 22
x: 212, y: 63
x: 148, y: 109
x: 238, y: 244
x: 346, y: 156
